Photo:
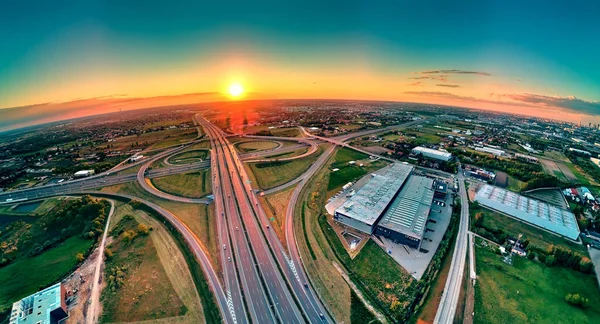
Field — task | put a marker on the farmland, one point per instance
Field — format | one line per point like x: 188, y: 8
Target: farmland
x: 523, y: 292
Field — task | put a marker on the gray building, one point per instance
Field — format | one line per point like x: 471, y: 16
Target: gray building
x: 406, y: 219
x: 362, y: 210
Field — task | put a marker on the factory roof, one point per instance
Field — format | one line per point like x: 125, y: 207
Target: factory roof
x: 372, y: 199
x: 427, y: 150
x: 409, y: 211
x: 536, y: 212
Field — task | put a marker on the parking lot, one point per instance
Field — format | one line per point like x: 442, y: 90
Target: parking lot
x: 416, y: 261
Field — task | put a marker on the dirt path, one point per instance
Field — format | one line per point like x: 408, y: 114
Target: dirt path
x: 94, y: 310
x: 370, y: 307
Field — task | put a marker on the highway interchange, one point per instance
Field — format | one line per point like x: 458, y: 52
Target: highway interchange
x: 260, y: 281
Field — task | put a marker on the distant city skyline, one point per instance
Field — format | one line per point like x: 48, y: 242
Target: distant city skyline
x: 534, y: 58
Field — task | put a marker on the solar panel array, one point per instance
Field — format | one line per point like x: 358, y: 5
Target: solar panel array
x: 372, y: 199
x: 537, y: 212
x: 409, y: 211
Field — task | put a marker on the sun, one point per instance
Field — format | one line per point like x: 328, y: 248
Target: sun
x: 236, y: 90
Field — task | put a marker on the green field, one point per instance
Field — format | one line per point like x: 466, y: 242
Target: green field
x: 251, y: 146
x: 285, y: 132
x: 181, y: 137
x: 193, y: 185
x: 350, y: 172
x: 189, y: 157
x: 530, y: 292
x: 138, y: 288
x: 299, y: 151
x: 45, y: 206
x: 19, y: 278
x: 271, y: 174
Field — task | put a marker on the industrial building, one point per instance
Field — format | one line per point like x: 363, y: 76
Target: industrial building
x: 405, y: 220
x: 432, y: 154
x: 364, y: 208
x: 83, y: 173
x: 440, y: 190
x: 491, y: 150
x: 535, y: 212
x: 44, y: 307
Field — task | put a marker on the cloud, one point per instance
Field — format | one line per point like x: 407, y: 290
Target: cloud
x: 448, y: 85
x: 448, y: 95
x: 454, y: 72
x: 416, y: 84
x: 569, y: 102
x: 442, y: 77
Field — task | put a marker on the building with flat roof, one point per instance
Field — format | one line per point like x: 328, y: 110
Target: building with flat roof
x: 535, y: 212
x: 440, y: 189
x: 491, y: 150
x: 83, y: 173
x: 44, y: 307
x: 404, y: 222
x: 432, y: 154
x: 362, y: 210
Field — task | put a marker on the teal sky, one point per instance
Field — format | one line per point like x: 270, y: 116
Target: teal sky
x: 539, y: 53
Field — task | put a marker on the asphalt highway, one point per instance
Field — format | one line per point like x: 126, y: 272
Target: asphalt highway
x: 447, y: 308
x: 271, y: 287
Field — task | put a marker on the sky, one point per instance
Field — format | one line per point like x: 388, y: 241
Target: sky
x: 530, y: 57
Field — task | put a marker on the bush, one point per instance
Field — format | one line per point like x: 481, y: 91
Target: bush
x: 143, y: 229
x: 108, y: 254
x: 79, y: 257
x: 577, y: 300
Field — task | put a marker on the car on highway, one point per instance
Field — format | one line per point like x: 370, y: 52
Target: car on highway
x: 224, y: 247
x: 229, y: 259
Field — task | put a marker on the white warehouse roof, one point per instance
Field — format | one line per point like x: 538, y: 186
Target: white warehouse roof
x: 372, y: 199
x: 533, y: 211
x: 429, y: 152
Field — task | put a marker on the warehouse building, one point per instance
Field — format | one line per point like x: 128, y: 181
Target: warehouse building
x: 44, y: 307
x: 535, y: 212
x: 404, y: 222
x: 83, y: 173
x: 363, y: 210
x: 491, y: 150
x: 432, y: 154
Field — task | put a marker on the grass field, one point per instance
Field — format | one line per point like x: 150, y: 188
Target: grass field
x: 530, y: 292
x: 19, y: 280
x: 267, y: 175
x: 514, y: 227
x: 275, y: 206
x: 285, y: 132
x: 199, y: 217
x: 350, y: 172
x: 187, y: 157
x: 144, y: 291
x: 193, y: 185
x: 181, y: 137
x: 251, y: 146
x: 299, y: 151
x: 205, y: 144
x: 317, y: 254
x: 360, y: 313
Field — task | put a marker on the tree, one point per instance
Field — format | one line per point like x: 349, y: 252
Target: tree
x: 79, y: 257
x: 108, y: 254
x: 143, y: 229
x: 478, y: 219
x: 128, y: 236
x: 550, y: 260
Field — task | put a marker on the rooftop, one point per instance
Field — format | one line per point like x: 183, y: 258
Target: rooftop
x: 535, y: 211
x: 372, y: 199
x: 409, y: 211
x: 37, y: 308
x: 432, y: 151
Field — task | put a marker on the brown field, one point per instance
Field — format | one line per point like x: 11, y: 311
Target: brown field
x: 199, y: 217
x: 146, y: 292
x: 250, y: 146
x: 275, y: 206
